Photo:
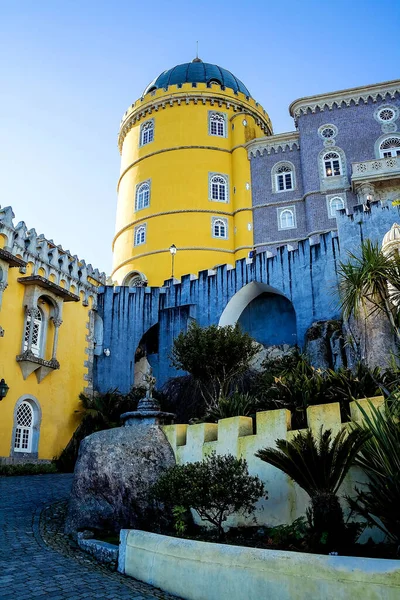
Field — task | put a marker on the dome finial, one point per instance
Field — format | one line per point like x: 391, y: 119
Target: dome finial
x: 197, y: 59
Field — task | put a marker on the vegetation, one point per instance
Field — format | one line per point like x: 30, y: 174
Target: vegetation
x: 214, y: 356
x: 28, y: 469
x: 380, y: 460
x: 370, y: 283
x: 319, y: 466
x: 215, y: 488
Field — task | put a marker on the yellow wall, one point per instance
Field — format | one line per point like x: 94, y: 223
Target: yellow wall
x: 178, y: 163
x: 57, y: 394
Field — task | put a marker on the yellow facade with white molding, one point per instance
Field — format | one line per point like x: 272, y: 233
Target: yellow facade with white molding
x: 46, y: 379
x: 178, y: 164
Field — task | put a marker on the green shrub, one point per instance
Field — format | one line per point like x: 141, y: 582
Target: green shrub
x: 215, y: 488
x: 28, y: 469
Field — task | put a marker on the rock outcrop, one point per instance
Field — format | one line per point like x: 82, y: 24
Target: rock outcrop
x: 113, y: 474
x: 325, y: 345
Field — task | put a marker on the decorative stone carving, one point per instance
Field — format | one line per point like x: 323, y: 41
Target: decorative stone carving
x: 277, y: 143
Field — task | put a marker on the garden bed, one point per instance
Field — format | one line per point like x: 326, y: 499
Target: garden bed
x: 207, y: 571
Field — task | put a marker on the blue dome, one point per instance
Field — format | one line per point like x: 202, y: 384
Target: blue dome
x: 197, y: 72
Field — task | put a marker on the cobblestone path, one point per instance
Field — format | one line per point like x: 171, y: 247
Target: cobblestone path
x: 32, y: 569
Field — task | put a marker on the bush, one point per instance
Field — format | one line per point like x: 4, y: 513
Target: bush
x: 215, y: 488
x: 28, y: 469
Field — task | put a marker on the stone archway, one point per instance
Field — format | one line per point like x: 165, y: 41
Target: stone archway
x: 263, y: 312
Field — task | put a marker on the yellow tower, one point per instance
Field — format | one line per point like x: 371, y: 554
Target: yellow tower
x: 185, y: 175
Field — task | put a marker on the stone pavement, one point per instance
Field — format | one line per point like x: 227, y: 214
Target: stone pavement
x: 32, y: 569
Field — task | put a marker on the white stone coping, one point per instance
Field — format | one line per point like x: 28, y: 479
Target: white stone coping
x: 205, y: 571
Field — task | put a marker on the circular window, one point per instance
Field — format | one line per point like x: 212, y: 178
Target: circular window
x: 327, y: 132
x: 386, y: 114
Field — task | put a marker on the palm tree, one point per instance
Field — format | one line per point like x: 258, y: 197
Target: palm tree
x: 370, y: 282
x: 380, y: 460
x: 319, y: 466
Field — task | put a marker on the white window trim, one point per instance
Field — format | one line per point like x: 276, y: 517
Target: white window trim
x: 328, y: 126
x: 225, y: 222
x: 386, y: 137
x: 139, y: 185
x: 333, y: 182
x: 275, y: 174
x: 141, y: 226
x: 383, y: 107
x: 329, y: 199
x: 142, y: 126
x: 226, y: 178
x: 38, y: 348
x: 33, y: 446
x: 281, y: 210
x: 222, y: 114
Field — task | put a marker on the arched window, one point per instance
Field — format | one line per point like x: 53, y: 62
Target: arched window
x: 335, y: 204
x: 220, y: 228
x: 147, y: 132
x: 135, y: 279
x: 142, y: 196
x: 36, y: 316
x: 23, y: 428
x: 286, y: 218
x: 390, y: 147
x: 218, y: 188
x: 332, y: 164
x: 140, y: 235
x: 283, y: 177
x: 217, y: 124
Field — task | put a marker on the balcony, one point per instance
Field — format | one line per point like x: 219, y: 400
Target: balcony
x: 379, y: 169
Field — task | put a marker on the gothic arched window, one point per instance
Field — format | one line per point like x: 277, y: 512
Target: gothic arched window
x: 218, y: 188
x: 217, y: 124
x: 283, y: 177
x: 390, y: 147
x: 147, y: 132
x: 220, y: 228
x: 286, y: 218
x: 140, y: 235
x: 332, y: 164
x: 36, y: 316
x: 335, y: 204
x: 23, y: 428
x: 142, y: 196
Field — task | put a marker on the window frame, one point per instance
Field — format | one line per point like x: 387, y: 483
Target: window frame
x: 21, y: 429
x: 136, y: 232
x: 32, y: 450
x: 330, y: 199
x: 221, y: 118
x: 224, y: 222
x: 281, y: 211
x: 144, y: 127
x: 275, y: 176
x: 211, y: 177
x: 330, y: 161
x: 138, y: 192
x: 389, y: 153
x: 37, y: 348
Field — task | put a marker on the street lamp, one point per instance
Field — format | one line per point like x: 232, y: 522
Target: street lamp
x: 3, y: 389
x: 172, y: 250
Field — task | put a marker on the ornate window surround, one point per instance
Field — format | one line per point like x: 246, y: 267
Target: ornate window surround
x: 381, y: 108
x: 134, y: 279
x: 219, y: 117
x: 147, y: 126
x: 222, y: 222
x: 330, y: 139
x: 335, y: 181
x: 211, y: 176
x: 382, y: 139
x: 140, y: 238
x: 141, y: 196
x: 330, y: 198
x: 274, y: 176
x: 281, y: 211
x: 32, y: 453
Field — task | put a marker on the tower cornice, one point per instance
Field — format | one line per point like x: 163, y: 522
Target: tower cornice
x: 280, y: 142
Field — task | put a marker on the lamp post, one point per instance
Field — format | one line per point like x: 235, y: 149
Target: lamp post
x: 172, y: 250
x: 3, y: 389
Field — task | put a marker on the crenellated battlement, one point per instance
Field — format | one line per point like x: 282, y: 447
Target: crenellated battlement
x: 236, y: 434
x: 286, y: 501
x: 44, y: 258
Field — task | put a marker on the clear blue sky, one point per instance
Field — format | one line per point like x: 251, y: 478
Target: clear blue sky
x: 70, y: 68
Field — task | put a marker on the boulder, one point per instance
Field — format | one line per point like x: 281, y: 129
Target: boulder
x: 113, y: 474
x: 324, y: 345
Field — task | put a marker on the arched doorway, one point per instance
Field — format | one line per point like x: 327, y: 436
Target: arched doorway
x: 263, y: 312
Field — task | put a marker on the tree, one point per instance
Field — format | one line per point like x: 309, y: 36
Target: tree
x: 215, y: 488
x: 380, y: 460
x: 319, y: 466
x: 214, y: 356
x: 370, y: 283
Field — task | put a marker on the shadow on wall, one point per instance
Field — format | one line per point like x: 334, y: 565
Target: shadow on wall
x: 270, y: 319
